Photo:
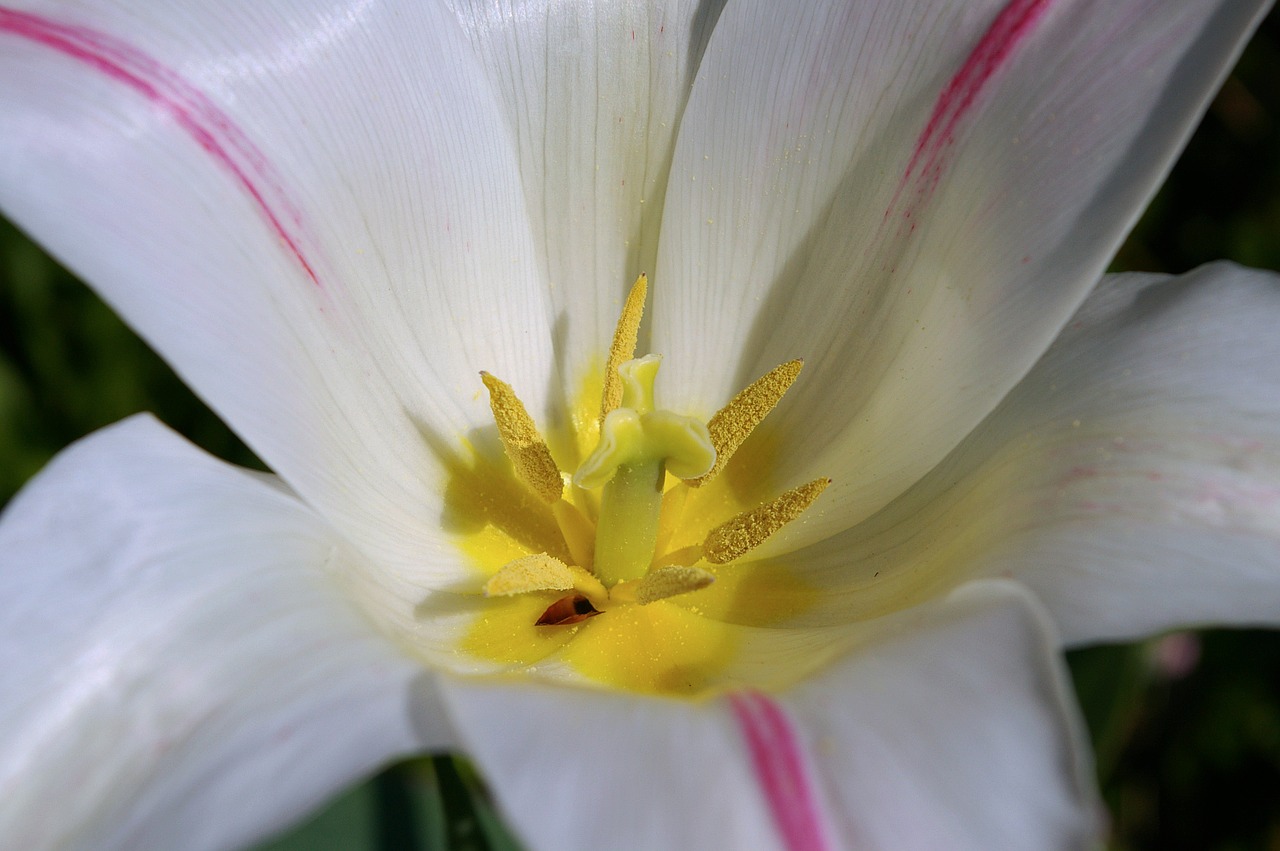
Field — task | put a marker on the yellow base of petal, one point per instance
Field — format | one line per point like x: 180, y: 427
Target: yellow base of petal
x: 677, y: 646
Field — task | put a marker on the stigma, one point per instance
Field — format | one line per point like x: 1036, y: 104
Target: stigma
x: 618, y: 510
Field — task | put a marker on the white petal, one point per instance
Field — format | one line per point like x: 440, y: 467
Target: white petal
x: 914, y: 197
x: 947, y: 727
x: 179, y: 667
x: 282, y: 198
x: 1132, y: 479
x: 594, y: 93
x: 1153, y: 500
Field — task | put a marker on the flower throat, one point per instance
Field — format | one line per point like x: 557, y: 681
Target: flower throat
x: 617, y: 510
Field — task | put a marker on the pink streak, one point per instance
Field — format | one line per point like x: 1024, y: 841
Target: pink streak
x: 209, y: 126
x: 1011, y: 28
x: 783, y: 772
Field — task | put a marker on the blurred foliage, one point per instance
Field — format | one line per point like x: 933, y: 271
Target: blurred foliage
x: 69, y: 366
x: 436, y: 802
x: 1188, y: 752
x: 1222, y: 198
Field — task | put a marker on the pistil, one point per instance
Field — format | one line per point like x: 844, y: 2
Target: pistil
x: 630, y: 505
x: 637, y: 447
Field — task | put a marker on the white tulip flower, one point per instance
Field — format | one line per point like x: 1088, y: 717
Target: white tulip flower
x: 655, y: 617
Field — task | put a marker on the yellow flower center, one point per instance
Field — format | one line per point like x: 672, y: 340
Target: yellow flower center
x: 628, y: 572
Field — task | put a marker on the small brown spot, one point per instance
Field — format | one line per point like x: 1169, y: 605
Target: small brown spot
x: 566, y: 611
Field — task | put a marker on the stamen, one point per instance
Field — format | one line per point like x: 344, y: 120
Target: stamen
x: 630, y: 464
x: 670, y: 518
x: 683, y: 557
x: 542, y: 572
x: 733, y: 423
x: 623, y: 347
x: 748, y: 530
x: 524, y: 446
x: 579, y: 532
x: 670, y: 581
x: 538, y: 572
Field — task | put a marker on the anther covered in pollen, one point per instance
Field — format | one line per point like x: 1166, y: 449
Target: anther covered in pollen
x: 733, y: 424
x: 634, y: 602
x: 520, y: 438
x: 739, y: 536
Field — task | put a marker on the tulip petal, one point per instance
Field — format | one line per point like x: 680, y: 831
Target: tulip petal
x: 180, y: 668
x: 1130, y: 479
x: 914, y: 197
x: 1153, y: 500
x: 594, y: 94
x: 281, y: 198
x: 949, y: 726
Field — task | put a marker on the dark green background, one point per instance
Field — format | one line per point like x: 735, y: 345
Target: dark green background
x: 1192, y: 762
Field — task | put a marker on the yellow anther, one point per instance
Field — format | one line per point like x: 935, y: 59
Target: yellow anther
x: 542, y: 572
x: 524, y: 446
x: 750, y: 529
x: 733, y: 423
x: 660, y: 584
x: 670, y: 581
x: 623, y: 347
x: 539, y: 572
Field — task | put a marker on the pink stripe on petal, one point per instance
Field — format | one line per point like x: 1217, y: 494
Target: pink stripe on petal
x: 782, y: 770
x: 211, y: 128
x: 1011, y: 28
